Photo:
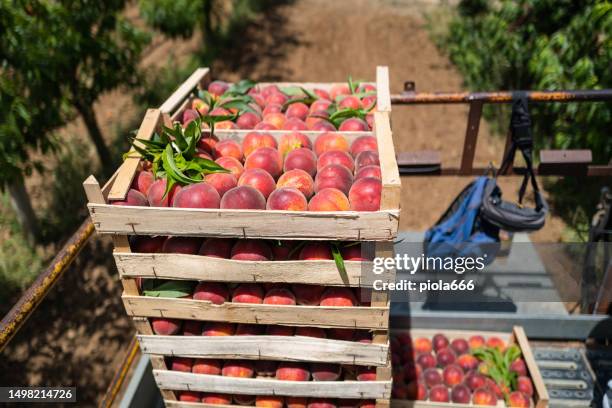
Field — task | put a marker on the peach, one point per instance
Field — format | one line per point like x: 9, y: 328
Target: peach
x: 276, y: 119
x: 338, y: 90
x: 350, y: 102
x: 216, y: 399
x: 476, y: 342
x: 199, y: 195
x: 311, y: 332
x: 243, y: 197
x: 426, y: 360
x: 366, y: 158
x: 354, y: 125
x: 227, y: 148
x: 276, y: 98
x: 156, y: 197
x: 467, y: 362
x: 496, y: 342
x: 460, y: 346
x: 272, y: 108
x: 182, y: 245
x: 248, y: 120
x: 452, y: 375
x: 222, y: 182
x: 365, y: 194
x: 322, y: 94
x: 366, y: 373
x: 329, y: 199
x: 238, y: 368
x: 279, y: 296
x: 475, y: 380
x: 226, y: 124
x: 519, y: 367
x: 323, y: 126
x: 364, y: 87
x: 202, y: 154
x: 484, y: 396
x: 143, y: 181
x: 294, y: 124
x: 320, y: 105
x: 266, y: 158
x: 265, y: 126
x: 189, y: 396
x: 316, y: 119
x: 281, y: 250
x: 353, y: 253
x: 218, y: 329
x: 181, y: 364
x: 254, y: 140
x: 296, y: 402
x: 336, y: 157
x: 432, y: 377
x: 297, y: 110
x: 292, y: 141
x: 303, y: 159
x: 363, y: 144
x: 216, y: 248
x: 423, y: 345
x: 338, y: 296
x: 524, y: 385
x: 287, y: 199
x: 165, y: 327
x: 341, y: 334
x: 369, y: 103
x: 248, y: 293
x: 439, y: 393
x: 439, y: 341
x: 147, y: 245
x: 493, y: 386
x: 292, y: 371
x: 232, y: 164
x: 246, y: 329
x: 325, y: 371
x: 461, y: 394
x: 219, y: 112
x: 334, y: 176
x: 207, y: 143
x: 445, y: 357
x: 192, y: 328
x: 265, y: 368
x: 307, y: 295
x: 313, y: 251
x: 275, y: 330
x: 213, y: 292
x: 259, y: 179
x: 218, y: 87
x: 330, y: 141
x: 269, y: 401
x: 200, y: 106
x: 243, y: 399
x: 519, y: 400
x: 251, y: 250
x: 189, y: 115
x: 269, y: 90
x: 299, y: 179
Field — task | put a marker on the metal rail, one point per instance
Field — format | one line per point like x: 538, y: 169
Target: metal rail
x: 120, y: 375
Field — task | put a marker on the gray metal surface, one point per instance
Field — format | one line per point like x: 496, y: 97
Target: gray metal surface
x: 142, y: 391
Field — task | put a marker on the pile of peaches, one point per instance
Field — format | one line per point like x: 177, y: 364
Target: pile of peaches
x: 441, y: 370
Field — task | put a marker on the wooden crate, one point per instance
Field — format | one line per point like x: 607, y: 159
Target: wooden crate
x: 379, y: 225
x: 517, y: 336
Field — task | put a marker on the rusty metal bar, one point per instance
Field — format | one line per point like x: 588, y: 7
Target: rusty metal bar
x: 591, y: 171
x: 471, y: 137
x: 412, y: 98
x: 120, y: 375
x: 35, y: 294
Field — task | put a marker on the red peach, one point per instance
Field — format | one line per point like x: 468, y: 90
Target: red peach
x: 467, y: 362
x: 493, y: 386
x: 287, y: 199
x: 322, y: 94
x: 189, y: 396
x: 366, y: 158
x: 432, y: 377
x: 222, y: 182
x: 272, y: 108
x: 337, y: 90
x: 320, y: 105
x: 275, y: 330
x: 316, y: 118
x: 296, y: 402
x: 279, y: 296
x: 216, y: 248
x: 476, y: 342
x: 192, y: 328
x: 524, y: 384
x: 362, y: 144
x: 354, y: 125
x: 238, y: 368
x: 266, y: 158
x: 218, y: 329
x: 302, y: 158
x: 147, y: 245
x: 276, y: 119
x: 254, y: 140
x: 484, y: 396
x: 341, y: 334
x: 265, y: 126
x: 338, y: 296
x: 143, y: 181
x: 439, y: 341
x: 325, y: 371
x: 265, y: 368
x: 165, y: 327
x: 248, y: 120
x: 189, y: 115
x: 269, y: 90
x: 199, y: 195
x: 426, y: 360
x: 248, y: 293
x: 336, y: 157
x: 292, y: 371
x: 307, y: 295
x: 219, y: 112
x: 311, y: 332
x: 353, y: 253
x: 330, y: 141
x: 276, y: 98
x: 315, y: 251
x: 519, y: 367
x: 461, y: 394
x: 366, y: 373
x: 475, y: 380
x: 445, y: 357
x: 243, y: 197
x: 292, y: 141
x: 519, y: 400
x: 259, y: 100
x: 329, y: 199
x: 218, y: 87
x: 251, y: 250
x: 183, y: 364
x: 297, y: 110
x: 259, y: 179
x: 244, y: 329
x: 334, y: 176
x: 294, y: 124
x: 202, y: 154
x: 369, y: 102
x: 365, y: 194
x: 299, y: 179
x: 452, y: 375
x: 231, y: 164
x: 207, y: 143
x: 200, y: 106
x: 497, y: 343
x: 439, y: 393
x: 182, y: 245
x: 350, y: 102
x: 216, y: 399
x: 423, y: 345
x: 365, y: 87
x: 213, y: 292
x: 269, y: 401
x: 460, y: 346
x: 323, y: 126
x: 281, y: 250
x: 156, y: 197
x: 227, y: 148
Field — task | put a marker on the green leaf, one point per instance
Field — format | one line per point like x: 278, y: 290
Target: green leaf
x: 292, y: 90
x: 339, y: 263
x: 171, y: 289
x: 172, y: 169
x: 241, y: 87
x: 209, y: 166
x: 307, y: 101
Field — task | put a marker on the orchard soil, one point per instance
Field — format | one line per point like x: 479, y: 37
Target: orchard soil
x: 78, y: 336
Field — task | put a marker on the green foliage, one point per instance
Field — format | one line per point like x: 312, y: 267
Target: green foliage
x: 175, y: 18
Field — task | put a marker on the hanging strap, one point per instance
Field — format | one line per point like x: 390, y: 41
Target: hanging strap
x: 522, y: 139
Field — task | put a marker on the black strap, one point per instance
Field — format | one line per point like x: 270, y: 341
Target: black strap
x: 522, y: 139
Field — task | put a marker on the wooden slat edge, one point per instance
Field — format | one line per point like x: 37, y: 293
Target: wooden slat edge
x: 532, y: 367
x: 391, y: 181
x: 383, y: 93
x: 128, y: 168
x: 183, y: 91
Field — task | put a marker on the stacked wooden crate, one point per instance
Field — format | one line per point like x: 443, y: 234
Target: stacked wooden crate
x: 376, y: 228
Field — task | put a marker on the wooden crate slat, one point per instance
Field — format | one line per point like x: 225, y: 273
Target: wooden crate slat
x: 176, y: 380
x: 383, y: 91
x: 322, y: 316
x: 348, y: 225
x: 390, y: 196
x: 183, y: 91
x: 278, y: 348
x: 210, y: 269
